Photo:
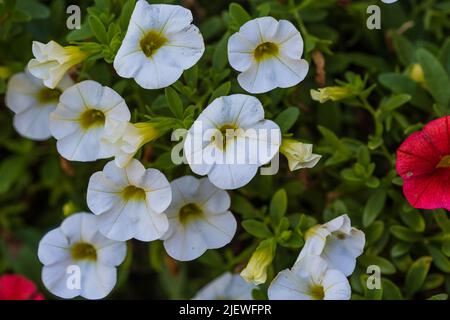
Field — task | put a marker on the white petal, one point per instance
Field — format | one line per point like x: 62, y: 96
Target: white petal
x: 215, y: 289
x: 184, y: 48
x: 217, y: 230
x: 97, y: 281
x: 159, y: 194
x: 111, y: 253
x: 336, y: 286
x: 232, y: 176
x: 53, y: 247
x: 289, y: 286
x: 240, y: 52
x: 289, y: 40
x: 158, y: 72
x: 21, y: 92
x: 55, y: 277
x: 63, y: 121
x: 81, y: 145
x: 34, y: 122
x: 102, y: 193
x: 185, y: 244
x: 212, y: 198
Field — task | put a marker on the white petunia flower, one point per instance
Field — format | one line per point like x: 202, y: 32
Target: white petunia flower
x: 299, y: 154
x: 226, y: 287
x: 159, y: 45
x: 268, y: 53
x: 32, y: 103
x: 87, y: 114
x: 129, y: 201
x: 230, y: 140
x: 52, y: 61
x: 199, y: 219
x: 75, y: 249
x: 336, y: 242
x: 310, y: 279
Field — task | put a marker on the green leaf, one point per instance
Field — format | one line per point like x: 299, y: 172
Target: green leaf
x: 125, y: 14
x: 436, y: 77
x: 439, y: 296
x: 390, y: 290
x: 374, y: 232
x: 174, y: 102
x: 33, y: 8
x: 416, y: 275
x: 371, y: 294
x: 287, y: 118
x: 220, y: 57
x: 395, y: 102
x: 223, y: 90
x: 439, y: 259
x: 256, y: 228
x: 374, y: 206
x: 385, y: 265
x: 278, y: 206
x: 413, y: 219
x: 238, y: 14
x: 11, y: 170
x: 98, y: 29
x: 405, y: 234
x: 404, y: 49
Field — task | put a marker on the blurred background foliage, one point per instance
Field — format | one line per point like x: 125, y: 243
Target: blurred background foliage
x: 396, y: 79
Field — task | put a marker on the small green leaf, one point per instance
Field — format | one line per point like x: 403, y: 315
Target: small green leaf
x: 390, y: 290
x: 239, y: 14
x: 404, y: 49
x: 174, y: 102
x: 125, y: 14
x: 220, y: 57
x: 256, y: 228
x: 374, y: 206
x: 439, y: 259
x: 287, y: 118
x: 416, y: 275
x: 223, y: 90
x: 278, y: 206
x: 385, y: 265
x: 98, y: 29
x: 405, y: 234
x: 439, y: 296
x: 413, y: 219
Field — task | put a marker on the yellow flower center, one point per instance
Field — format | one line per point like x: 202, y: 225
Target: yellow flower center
x: 132, y: 193
x: 265, y: 50
x: 46, y: 95
x: 225, y: 135
x: 151, y: 42
x: 92, y: 118
x: 83, y: 251
x: 444, y: 163
x: 317, y: 292
x: 188, y: 212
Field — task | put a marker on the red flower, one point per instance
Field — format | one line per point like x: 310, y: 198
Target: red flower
x: 423, y: 161
x: 17, y: 287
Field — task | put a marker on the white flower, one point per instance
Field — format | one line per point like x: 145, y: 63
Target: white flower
x: 75, y: 249
x: 129, y: 201
x: 52, y: 61
x: 86, y: 115
x: 336, y: 242
x: 268, y: 53
x: 310, y: 279
x: 299, y: 154
x: 256, y: 269
x: 159, y: 45
x: 32, y: 103
x: 230, y: 140
x: 226, y: 287
x: 199, y: 219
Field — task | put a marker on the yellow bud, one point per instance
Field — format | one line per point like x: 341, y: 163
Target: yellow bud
x: 330, y: 93
x: 4, y: 72
x: 416, y: 73
x: 256, y: 269
x: 298, y: 154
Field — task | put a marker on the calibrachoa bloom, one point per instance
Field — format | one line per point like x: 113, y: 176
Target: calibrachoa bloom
x: 256, y: 269
x: 129, y: 201
x: 52, y: 61
x: 336, y: 242
x: 75, y: 249
x: 199, y: 219
x: 159, y: 45
x: 134, y: 137
x: 32, y: 103
x: 228, y: 286
x: 268, y: 53
x: 87, y: 114
x: 230, y: 140
x: 310, y: 279
x: 17, y: 287
x: 299, y: 154
x: 423, y: 161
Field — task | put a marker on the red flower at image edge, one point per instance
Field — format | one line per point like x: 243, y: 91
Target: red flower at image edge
x: 423, y: 161
x: 17, y: 287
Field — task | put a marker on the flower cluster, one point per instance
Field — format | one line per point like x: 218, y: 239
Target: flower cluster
x: 227, y: 144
